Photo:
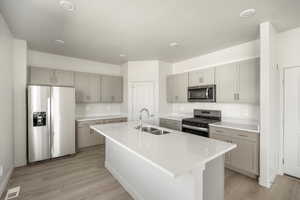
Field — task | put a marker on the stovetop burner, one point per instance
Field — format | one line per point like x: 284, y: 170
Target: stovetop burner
x: 202, y: 118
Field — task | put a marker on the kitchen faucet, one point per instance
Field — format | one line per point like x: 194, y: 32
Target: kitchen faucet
x: 141, y: 116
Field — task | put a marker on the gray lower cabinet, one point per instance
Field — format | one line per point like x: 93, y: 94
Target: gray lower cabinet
x: 245, y: 158
x: 177, y: 86
x: 111, y: 89
x: 202, y: 77
x: 87, y: 87
x: 169, y: 123
x: 88, y: 137
x: 53, y: 77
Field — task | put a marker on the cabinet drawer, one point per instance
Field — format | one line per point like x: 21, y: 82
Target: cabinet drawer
x: 234, y: 133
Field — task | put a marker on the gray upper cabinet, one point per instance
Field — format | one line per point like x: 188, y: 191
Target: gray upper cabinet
x: 238, y: 82
x: 202, y: 77
x: 111, y: 89
x: 53, y: 77
x: 248, y: 83
x: 87, y: 87
x: 64, y: 78
x: 177, y: 88
x: 40, y: 76
x: 226, y: 82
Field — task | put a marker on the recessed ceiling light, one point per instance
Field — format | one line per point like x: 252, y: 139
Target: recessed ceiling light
x: 67, y: 5
x: 60, y: 41
x: 173, y: 44
x: 248, y: 13
x: 122, y: 55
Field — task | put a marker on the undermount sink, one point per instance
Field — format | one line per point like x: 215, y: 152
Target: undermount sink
x: 152, y: 130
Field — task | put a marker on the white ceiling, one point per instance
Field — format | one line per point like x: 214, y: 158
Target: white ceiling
x: 142, y: 29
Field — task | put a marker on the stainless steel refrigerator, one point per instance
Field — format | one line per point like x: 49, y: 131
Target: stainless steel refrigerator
x: 51, y: 122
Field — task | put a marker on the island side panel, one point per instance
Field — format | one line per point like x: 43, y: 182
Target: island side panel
x: 213, y: 179
x: 144, y: 181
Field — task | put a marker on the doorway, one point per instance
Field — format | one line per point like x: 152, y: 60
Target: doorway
x: 141, y: 95
x: 292, y: 122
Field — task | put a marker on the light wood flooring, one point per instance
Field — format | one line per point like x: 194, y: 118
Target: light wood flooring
x: 83, y: 177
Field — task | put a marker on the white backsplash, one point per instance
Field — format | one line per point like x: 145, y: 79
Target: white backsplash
x: 85, y: 110
x: 243, y: 113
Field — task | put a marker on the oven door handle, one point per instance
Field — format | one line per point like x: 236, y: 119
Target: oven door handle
x: 195, y: 128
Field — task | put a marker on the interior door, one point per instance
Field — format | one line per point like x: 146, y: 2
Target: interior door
x: 63, y: 121
x: 292, y: 122
x: 142, y: 96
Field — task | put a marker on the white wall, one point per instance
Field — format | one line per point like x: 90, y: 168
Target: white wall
x: 144, y: 71
x: 242, y: 112
x: 223, y: 56
x: 20, y: 82
x: 6, y: 103
x: 288, y: 48
x: 269, y: 105
x: 41, y: 59
x: 148, y: 71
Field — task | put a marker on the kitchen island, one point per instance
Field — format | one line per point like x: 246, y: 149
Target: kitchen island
x: 175, y: 166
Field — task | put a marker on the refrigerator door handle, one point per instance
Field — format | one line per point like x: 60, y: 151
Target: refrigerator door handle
x: 49, y: 123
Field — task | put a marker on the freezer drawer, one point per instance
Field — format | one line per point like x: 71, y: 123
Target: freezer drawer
x: 38, y: 123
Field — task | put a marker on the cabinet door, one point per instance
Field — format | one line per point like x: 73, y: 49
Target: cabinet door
x: 202, y: 77
x: 248, y: 81
x: 170, y: 87
x: 226, y: 83
x: 171, y: 124
x: 87, y: 137
x: 64, y: 78
x: 40, y: 76
x: 111, y: 89
x: 180, y: 87
x: 224, y: 139
x: 245, y: 156
x: 87, y: 87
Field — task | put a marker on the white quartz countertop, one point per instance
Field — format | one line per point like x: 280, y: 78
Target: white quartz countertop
x: 243, y: 127
x: 176, y: 153
x: 89, y: 118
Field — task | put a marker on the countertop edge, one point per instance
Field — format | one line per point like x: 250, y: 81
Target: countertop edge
x: 100, y: 117
x: 235, y: 128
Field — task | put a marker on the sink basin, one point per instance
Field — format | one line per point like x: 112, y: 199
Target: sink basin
x: 152, y: 130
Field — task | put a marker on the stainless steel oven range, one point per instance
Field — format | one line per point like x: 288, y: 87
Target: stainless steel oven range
x: 199, y: 124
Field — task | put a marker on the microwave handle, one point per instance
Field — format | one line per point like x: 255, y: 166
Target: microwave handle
x: 206, y: 93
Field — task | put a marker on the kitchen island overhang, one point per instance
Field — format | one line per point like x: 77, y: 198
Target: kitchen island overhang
x: 172, y: 166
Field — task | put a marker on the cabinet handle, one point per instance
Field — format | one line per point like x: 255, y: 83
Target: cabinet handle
x: 219, y: 131
x: 234, y: 96
x: 91, y: 131
x: 243, y: 135
x: 238, y: 96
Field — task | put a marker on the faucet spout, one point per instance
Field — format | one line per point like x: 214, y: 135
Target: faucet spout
x: 141, y: 116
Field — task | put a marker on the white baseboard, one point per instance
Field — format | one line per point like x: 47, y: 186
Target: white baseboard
x: 134, y: 194
x: 4, y: 183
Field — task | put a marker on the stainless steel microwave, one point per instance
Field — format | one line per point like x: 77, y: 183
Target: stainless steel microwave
x: 205, y: 93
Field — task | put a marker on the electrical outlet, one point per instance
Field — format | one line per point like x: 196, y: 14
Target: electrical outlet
x: 1, y: 170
